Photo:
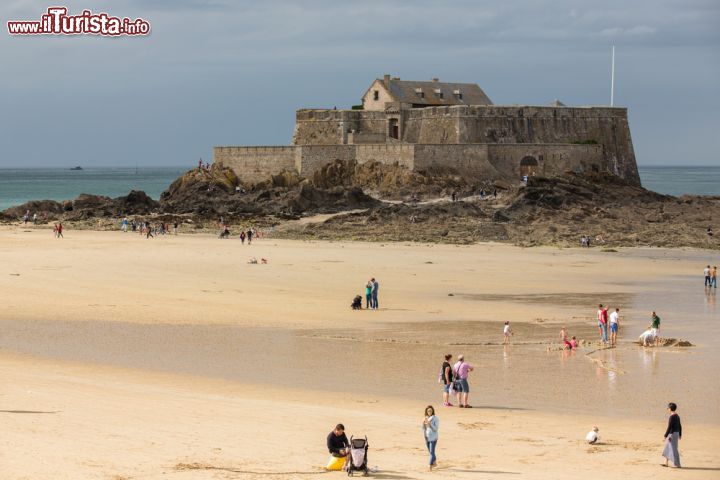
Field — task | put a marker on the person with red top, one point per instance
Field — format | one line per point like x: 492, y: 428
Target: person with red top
x: 602, y: 316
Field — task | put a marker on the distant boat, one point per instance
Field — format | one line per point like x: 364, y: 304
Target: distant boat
x: 76, y: 168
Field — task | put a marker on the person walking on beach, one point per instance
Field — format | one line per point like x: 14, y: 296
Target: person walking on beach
x: 713, y: 277
x: 602, y: 317
x: 35, y: 218
x: 368, y: 294
x: 124, y: 225
x: 446, y: 378
x: 149, y: 233
x: 706, y: 272
x: 242, y: 237
x: 655, y: 327
x: 672, y: 437
x: 59, y: 230
x: 430, y: 431
x: 461, y: 369
x: 614, y: 326
x: 506, y: 333
x: 249, y: 236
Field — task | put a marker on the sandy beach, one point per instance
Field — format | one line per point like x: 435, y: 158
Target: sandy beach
x: 173, y: 357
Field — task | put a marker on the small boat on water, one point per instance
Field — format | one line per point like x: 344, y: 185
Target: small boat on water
x: 76, y: 168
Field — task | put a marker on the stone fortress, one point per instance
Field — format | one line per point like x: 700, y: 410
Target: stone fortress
x: 450, y: 126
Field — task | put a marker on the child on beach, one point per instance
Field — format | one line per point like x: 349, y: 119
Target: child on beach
x: 592, y: 437
x: 506, y: 333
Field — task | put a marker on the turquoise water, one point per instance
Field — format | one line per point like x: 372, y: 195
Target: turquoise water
x: 20, y: 185
x: 17, y: 186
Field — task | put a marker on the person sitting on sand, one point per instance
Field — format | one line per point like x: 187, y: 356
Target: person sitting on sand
x: 337, y: 443
x: 263, y: 261
x: 225, y: 233
x: 356, y: 303
x: 573, y: 343
x: 252, y: 261
x: 592, y: 437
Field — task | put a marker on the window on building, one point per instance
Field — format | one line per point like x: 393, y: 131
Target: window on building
x: 376, y: 95
x: 458, y: 94
x: 419, y: 92
x: 439, y: 93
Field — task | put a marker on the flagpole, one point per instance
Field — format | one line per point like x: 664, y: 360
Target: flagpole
x: 612, y: 79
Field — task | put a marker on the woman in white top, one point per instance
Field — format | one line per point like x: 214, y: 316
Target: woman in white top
x: 430, y: 430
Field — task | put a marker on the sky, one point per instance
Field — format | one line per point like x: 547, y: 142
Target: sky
x: 221, y: 72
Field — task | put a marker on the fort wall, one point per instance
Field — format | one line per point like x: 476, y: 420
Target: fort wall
x: 311, y: 158
x: 256, y: 164
x: 478, y: 161
x: 388, y: 154
x: 481, y: 124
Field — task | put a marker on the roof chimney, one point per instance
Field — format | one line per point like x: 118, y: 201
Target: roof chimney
x: 436, y: 79
x: 386, y: 80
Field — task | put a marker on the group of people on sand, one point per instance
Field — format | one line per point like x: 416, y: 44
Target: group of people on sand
x: 652, y: 332
x: 710, y: 276
x: 339, y: 446
x: 672, y: 436
x: 586, y: 240
x: 371, y: 296
x: 608, y: 324
x: 27, y: 217
x: 58, y: 230
x: 567, y: 344
x: 454, y: 379
x: 147, y: 229
x: 248, y: 234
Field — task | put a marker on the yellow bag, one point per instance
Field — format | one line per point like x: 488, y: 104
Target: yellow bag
x: 335, y: 464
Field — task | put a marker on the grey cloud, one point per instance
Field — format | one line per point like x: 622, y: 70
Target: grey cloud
x: 233, y: 72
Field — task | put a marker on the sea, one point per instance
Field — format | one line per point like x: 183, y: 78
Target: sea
x: 18, y: 185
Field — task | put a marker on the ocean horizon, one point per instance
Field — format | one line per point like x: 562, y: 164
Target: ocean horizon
x: 19, y: 185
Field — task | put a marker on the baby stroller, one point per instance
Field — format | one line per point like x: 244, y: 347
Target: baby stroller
x: 358, y: 456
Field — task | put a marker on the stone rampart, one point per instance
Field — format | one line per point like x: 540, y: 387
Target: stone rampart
x: 312, y: 158
x: 256, y: 164
x: 388, y: 154
x: 481, y: 124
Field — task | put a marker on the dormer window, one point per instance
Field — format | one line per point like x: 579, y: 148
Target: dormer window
x: 376, y: 95
x: 458, y: 94
x: 419, y: 92
x: 439, y: 93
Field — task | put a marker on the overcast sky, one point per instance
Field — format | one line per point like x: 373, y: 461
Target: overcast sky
x: 224, y: 72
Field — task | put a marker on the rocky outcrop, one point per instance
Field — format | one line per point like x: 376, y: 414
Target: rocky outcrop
x: 546, y: 211
x: 217, y: 192
x: 416, y: 206
x: 85, y: 207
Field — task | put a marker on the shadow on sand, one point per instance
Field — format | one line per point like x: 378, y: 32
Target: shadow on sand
x: 25, y: 411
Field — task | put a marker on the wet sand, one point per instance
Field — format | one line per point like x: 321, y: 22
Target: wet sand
x: 183, y: 323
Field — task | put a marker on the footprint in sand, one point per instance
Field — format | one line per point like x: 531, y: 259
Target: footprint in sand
x: 531, y: 441
x: 474, y: 425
